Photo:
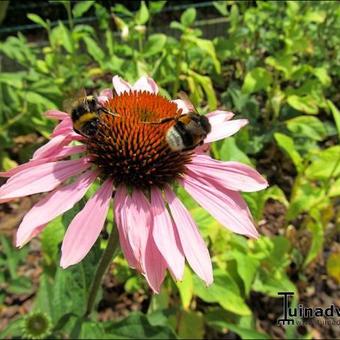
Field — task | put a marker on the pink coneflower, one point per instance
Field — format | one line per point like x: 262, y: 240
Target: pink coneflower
x: 136, y: 167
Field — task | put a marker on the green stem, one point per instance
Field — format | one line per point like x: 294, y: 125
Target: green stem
x: 109, y: 253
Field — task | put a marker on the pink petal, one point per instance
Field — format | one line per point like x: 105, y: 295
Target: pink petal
x: 146, y: 84
x: 120, y: 85
x: 102, y: 99
x: 137, y: 225
x: 53, y: 205
x: 122, y: 225
x: 86, y: 226
x: 155, y: 265
x: 184, y: 105
x: 65, y: 127
x: 64, y: 152
x: 224, y: 130
x: 164, y: 235
x: 41, y: 178
x: 194, y: 248
x: 106, y: 93
x: 52, y: 147
x: 56, y: 114
x: 226, y: 206
x: 219, y: 116
x: 231, y: 175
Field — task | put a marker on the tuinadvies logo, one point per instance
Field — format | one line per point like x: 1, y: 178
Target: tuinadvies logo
x: 291, y: 314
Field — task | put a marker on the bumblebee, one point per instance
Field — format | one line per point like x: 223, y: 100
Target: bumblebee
x: 189, y: 131
x: 85, y: 111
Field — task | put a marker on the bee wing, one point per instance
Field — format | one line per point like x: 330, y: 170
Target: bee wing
x: 182, y: 95
x: 76, y: 96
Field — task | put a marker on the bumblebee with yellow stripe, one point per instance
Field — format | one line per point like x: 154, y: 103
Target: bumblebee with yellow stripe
x: 190, y: 129
x: 85, y: 114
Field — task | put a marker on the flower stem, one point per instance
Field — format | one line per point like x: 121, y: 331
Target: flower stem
x: 109, y: 253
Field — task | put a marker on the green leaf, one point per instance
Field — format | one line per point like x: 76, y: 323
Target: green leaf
x: 137, y: 326
x: 286, y: 143
x: 66, y: 38
x: 142, y: 15
x: 221, y: 6
x: 230, y: 151
x: 95, y: 51
x: 186, y: 288
x: 208, y: 47
x: 246, y: 268
x: 81, y: 8
x: 38, y: 20
x: 155, y: 44
x: 257, y: 79
x: 206, y: 83
x: 305, y: 104
x: 307, y: 126
x: 187, y: 320
x: 335, y: 189
x: 223, y: 291
x: 316, y: 229
x: 12, y: 79
x: 188, y: 17
x: 322, y: 74
x: 333, y: 268
x: 326, y: 165
x: 36, y: 98
x: 336, y: 115
x: 50, y: 238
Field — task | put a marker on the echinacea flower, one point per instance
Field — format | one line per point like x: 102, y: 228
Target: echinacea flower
x: 137, y: 169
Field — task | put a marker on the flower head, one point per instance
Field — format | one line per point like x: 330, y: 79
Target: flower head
x: 131, y: 158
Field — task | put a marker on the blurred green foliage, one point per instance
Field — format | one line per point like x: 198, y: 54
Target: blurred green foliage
x: 277, y: 65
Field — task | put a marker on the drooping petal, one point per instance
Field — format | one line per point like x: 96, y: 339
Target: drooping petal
x: 56, y: 114
x: 65, y: 127
x: 231, y: 175
x: 86, y: 226
x: 225, y: 129
x: 51, y: 206
x: 41, y: 178
x: 51, y: 147
x: 164, y: 235
x: 146, y: 84
x: 225, y: 206
x: 120, y: 85
x: 185, y: 106
x: 194, y: 248
x: 219, y: 116
x: 122, y: 224
x: 141, y: 240
x: 64, y: 152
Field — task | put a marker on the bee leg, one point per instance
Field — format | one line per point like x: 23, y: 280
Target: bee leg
x: 109, y: 112
x: 161, y: 121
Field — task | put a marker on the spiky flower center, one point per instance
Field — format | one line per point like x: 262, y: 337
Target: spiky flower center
x: 37, y: 325
x: 132, y: 151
